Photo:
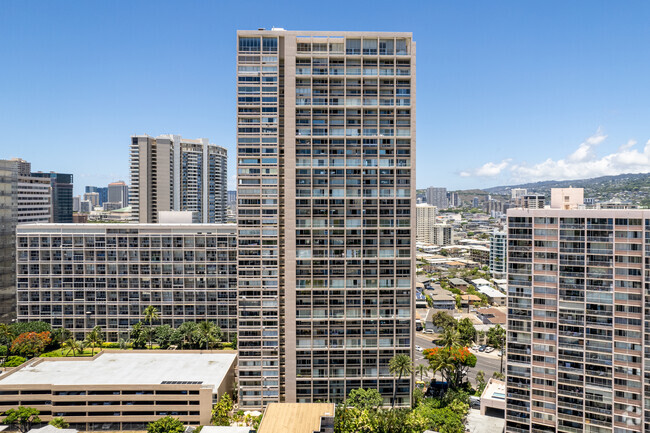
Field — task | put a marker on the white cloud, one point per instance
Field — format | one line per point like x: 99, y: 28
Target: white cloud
x: 489, y: 169
x: 581, y: 163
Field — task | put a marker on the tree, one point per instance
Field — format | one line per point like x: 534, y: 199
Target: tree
x: 22, y: 418
x: 30, y: 344
x: 208, y: 333
x: 38, y: 326
x: 467, y: 331
x: 480, y: 382
x: 221, y: 411
x: 498, y: 375
x: 59, y: 422
x: 60, y: 335
x: 138, y: 336
x: 71, y: 345
x: 497, y: 338
x: 151, y: 314
x: 421, y: 369
x: 95, y: 338
x: 167, y: 424
x: 185, y: 335
x: 6, y: 334
x: 443, y: 320
x: 452, y: 362
x: 365, y: 398
x: 163, y: 336
x: 450, y: 338
x: 399, y: 365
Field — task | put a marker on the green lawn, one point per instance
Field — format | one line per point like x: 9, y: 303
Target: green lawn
x: 60, y: 353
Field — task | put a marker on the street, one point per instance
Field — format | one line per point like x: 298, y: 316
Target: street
x: 489, y: 363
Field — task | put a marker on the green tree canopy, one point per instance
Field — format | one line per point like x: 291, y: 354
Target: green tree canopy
x: 23, y: 418
x: 221, y: 411
x: 467, y: 331
x: 167, y: 424
x: 400, y: 365
x: 59, y: 422
x: 365, y: 398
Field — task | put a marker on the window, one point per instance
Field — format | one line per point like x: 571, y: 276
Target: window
x: 370, y: 47
x: 353, y: 46
x: 249, y: 44
x: 269, y: 45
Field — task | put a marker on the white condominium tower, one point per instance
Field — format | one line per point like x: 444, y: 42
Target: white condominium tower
x: 173, y: 173
x: 326, y: 207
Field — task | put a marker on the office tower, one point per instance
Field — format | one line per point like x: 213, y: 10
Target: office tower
x: 118, y: 192
x: 475, y: 202
x: 326, y: 200
x: 174, y: 173
x: 577, y: 293
x: 82, y: 275
x: 33, y: 195
x: 93, y: 198
x: 61, y: 184
x: 498, y: 261
x: 8, y: 187
x: 425, y: 218
x: 102, y: 194
x: 437, y: 197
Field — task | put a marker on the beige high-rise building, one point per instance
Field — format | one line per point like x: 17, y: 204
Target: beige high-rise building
x: 578, y: 296
x: 425, y: 219
x: 174, y: 173
x: 326, y: 206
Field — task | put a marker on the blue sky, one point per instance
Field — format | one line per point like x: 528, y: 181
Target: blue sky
x: 507, y: 91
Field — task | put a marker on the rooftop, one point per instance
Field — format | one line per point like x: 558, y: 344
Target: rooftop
x: 110, y: 368
x: 490, y: 292
x: 480, y: 282
x: 294, y: 417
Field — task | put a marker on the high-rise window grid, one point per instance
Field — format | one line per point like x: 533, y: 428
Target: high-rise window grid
x: 576, y: 332
x: 346, y: 130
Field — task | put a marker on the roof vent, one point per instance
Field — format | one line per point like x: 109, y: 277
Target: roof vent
x: 261, y: 29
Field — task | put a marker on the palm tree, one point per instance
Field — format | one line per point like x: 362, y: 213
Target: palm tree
x: 73, y: 346
x: 59, y: 422
x: 95, y: 338
x: 450, y: 338
x: 421, y: 369
x: 400, y: 365
x: 6, y: 333
x: 209, y: 333
x: 151, y: 314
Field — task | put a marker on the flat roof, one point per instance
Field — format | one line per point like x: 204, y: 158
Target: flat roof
x: 490, y: 292
x: 93, y: 228
x: 294, y: 417
x: 123, y: 368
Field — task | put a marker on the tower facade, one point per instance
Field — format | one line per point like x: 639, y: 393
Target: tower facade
x: 578, y: 296
x: 326, y: 213
x: 171, y: 173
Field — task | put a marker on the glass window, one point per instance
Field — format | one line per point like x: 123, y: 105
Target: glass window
x: 249, y: 44
x: 386, y: 47
x: 353, y: 46
x: 270, y: 45
x: 400, y: 46
x: 370, y: 47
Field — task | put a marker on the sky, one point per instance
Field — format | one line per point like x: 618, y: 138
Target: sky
x: 507, y: 91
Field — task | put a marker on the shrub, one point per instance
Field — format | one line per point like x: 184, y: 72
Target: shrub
x: 31, y: 343
x: 167, y: 424
x: 14, y: 361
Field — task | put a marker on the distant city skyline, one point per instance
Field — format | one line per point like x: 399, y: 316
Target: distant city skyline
x: 509, y: 92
